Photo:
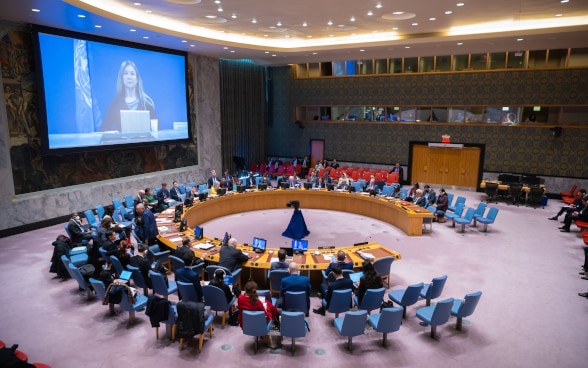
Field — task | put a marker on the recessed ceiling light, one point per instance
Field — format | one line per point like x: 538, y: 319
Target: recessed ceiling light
x: 36, y: 10
x: 133, y: 30
x: 267, y: 52
x: 253, y: 20
x: 352, y: 19
x: 361, y: 50
x: 210, y: 16
x: 330, y: 23
x: 279, y: 24
x: 407, y: 47
x: 217, y: 1
x: 314, y: 53
x: 415, y: 24
x: 378, y: 5
x: 459, y: 43
x: 146, y: 37
x: 226, y: 48
x: 220, y: 8
x: 331, y: 35
x: 459, y: 4
x: 234, y: 16
x: 559, y: 15
x: 265, y: 35
x: 370, y: 13
x: 81, y: 16
x: 138, y: 4
x: 394, y: 28
x: 222, y: 31
x: 309, y: 36
x: 448, y: 12
x: 184, y: 41
x: 192, y: 45
x: 232, y: 50
x: 287, y: 36
x: 520, y: 39
x: 97, y: 26
x: 304, y: 24
x: 565, y: 1
x: 432, y: 18
x: 397, y: 13
x: 274, y: 55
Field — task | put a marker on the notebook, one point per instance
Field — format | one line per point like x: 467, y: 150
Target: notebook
x: 125, y: 275
x: 355, y: 276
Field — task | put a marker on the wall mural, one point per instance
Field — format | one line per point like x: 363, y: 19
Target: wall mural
x: 33, y: 172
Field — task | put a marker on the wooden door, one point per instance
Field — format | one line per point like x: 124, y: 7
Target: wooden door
x: 419, y: 169
x: 317, y: 151
x: 469, y: 167
x: 445, y: 166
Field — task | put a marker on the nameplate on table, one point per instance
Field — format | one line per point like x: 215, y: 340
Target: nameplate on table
x: 177, y: 239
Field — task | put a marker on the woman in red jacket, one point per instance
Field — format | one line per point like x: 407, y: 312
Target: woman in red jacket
x: 250, y: 301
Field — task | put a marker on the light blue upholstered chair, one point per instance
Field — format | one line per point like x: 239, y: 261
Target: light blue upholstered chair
x: 236, y: 274
x: 215, y: 298
x: 254, y: 324
x: 138, y: 279
x: 293, y: 325
x: 388, y: 320
x: 118, y: 267
x: 295, y: 301
x: 82, y: 283
x: 372, y: 299
x: 459, y: 200
x: 159, y: 286
x: 466, y: 219
x: 436, y: 315
x: 140, y: 303
x: 434, y: 289
x: 187, y: 292
x: 276, y: 277
x: 340, y: 302
x: 100, y: 291
x: 489, y: 219
x: 479, y: 211
x: 406, y: 297
x: 382, y: 267
x: 466, y: 307
x: 352, y: 324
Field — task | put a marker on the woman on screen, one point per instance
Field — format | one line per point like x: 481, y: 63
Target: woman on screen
x: 129, y: 96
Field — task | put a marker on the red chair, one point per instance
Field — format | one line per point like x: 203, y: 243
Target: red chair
x: 570, y: 193
x: 355, y: 175
x: 262, y: 168
x: 254, y: 167
x: 392, y: 178
x: 298, y: 169
x: 570, y: 200
x: 321, y: 172
x: 289, y: 170
x: 379, y: 176
x: 271, y: 170
x: 583, y: 225
x: 367, y: 175
x: 281, y: 170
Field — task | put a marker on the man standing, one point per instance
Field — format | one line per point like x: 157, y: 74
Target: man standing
x: 213, y: 180
x: 231, y: 257
x: 398, y: 169
x: 146, y: 226
x: 340, y: 283
x: 228, y: 180
x: 294, y: 283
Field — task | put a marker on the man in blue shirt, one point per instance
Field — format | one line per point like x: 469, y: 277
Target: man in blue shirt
x: 146, y: 226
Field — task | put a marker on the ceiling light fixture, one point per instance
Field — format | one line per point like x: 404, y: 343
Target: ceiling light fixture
x: 397, y: 13
x: 81, y: 16
x: 97, y: 26
x: 520, y: 39
x: 407, y: 47
x: 559, y: 15
x: 253, y: 20
x: 220, y: 8
x: 217, y: 1
x: 148, y: 11
x: 565, y: 1
x: 378, y: 5
x: 146, y: 37
x: 234, y: 16
x: 137, y: 4
x: 352, y: 19
x: 448, y: 12
x: 184, y: 41
x: 415, y: 24
x: 459, y: 43
x: 36, y: 10
x: 133, y: 30
x: 432, y: 18
x: 210, y: 16
x: 370, y: 13
x: 226, y: 48
x: 459, y: 4
x: 330, y: 23
x: 279, y: 24
x: 304, y: 24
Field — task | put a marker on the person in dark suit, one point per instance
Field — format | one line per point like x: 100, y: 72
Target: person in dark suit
x: 213, y: 180
x: 140, y: 198
x: 281, y: 264
x: 163, y: 196
x: 110, y: 245
x: 580, y: 214
x: 334, y: 164
x: 185, y: 248
x: 305, y: 164
x: 369, y: 280
x: 77, y: 231
x: 146, y: 226
x: 174, y: 192
x: 571, y: 208
x: 188, y: 275
x: 228, y: 180
x: 295, y: 282
x: 397, y: 168
x: 231, y: 257
x: 250, y: 182
x: 140, y: 261
x: 341, y: 256
x: 340, y: 283
x: 419, y: 199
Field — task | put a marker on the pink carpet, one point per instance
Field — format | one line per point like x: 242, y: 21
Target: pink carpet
x: 529, y: 316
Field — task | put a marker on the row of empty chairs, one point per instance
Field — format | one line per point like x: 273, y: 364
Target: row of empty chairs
x: 470, y: 215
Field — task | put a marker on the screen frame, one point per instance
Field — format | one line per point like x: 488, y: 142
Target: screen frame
x: 42, y: 111
x: 255, y: 241
x: 302, y: 241
x: 196, y: 235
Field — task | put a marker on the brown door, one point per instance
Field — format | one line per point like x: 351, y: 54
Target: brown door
x: 317, y: 151
x: 445, y: 166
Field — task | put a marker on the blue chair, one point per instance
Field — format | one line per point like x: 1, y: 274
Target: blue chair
x: 157, y: 255
x: 436, y: 315
x: 455, y: 214
x: 371, y: 300
x: 77, y: 275
x: 382, y: 267
x: 182, y: 189
x: 293, y: 325
x: 449, y: 200
x: 406, y: 297
x: 118, y: 205
x: 130, y: 203
x: 140, y: 303
x: 466, y: 219
x: 479, y: 211
x: 187, y: 292
x: 357, y: 185
x: 138, y: 279
x: 190, y: 185
x: 215, y: 298
x: 78, y: 256
x: 386, y: 191
x: 118, y: 267
x: 352, y: 324
x: 459, y: 200
x: 404, y: 192
x: 489, y: 219
x: 434, y: 289
x: 203, y: 188
x: 236, y: 274
x: 100, y: 212
x: 136, y: 236
x: 466, y: 307
x: 207, y: 327
x: 159, y: 286
x: 295, y: 301
x: 429, y: 221
x: 171, y: 322
x: 275, y: 278
x: 258, y: 180
x: 118, y: 217
x: 91, y: 219
x: 254, y: 324
x: 100, y: 291
x: 388, y: 320
x: 267, y: 295
x: 340, y: 302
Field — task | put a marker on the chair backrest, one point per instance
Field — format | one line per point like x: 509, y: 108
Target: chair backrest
x: 276, y: 277
x: 118, y: 267
x: 117, y: 215
x: 137, y: 277
x: 432, y: 209
x: 458, y: 209
x: 449, y: 199
x: 90, y: 218
x: 77, y: 275
x: 212, y: 268
x: 468, y: 306
x: 102, y: 252
x: 372, y: 299
x: 117, y: 203
x: 354, y: 323
x: 292, y: 324
x: 177, y: 263
x: 99, y: 288
x: 215, y: 298
x: 441, y: 312
x: 158, y: 282
x: 136, y: 236
x: 67, y: 231
x: 480, y: 209
x: 469, y: 215
x: 461, y: 200
x: 412, y: 294
x: 404, y: 192
x: 382, y: 265
x: 492, y: 212
x: 434, y: 290
x: 340, y: 301
x: 187, y: 292
x: 100, y: 211
x: 203, y: 188
x: 254, y: 323
x: 182, y: 189
x: 129, y: 202
x: 295, y: 301
x: 387, y: 190
x: 390, y: 320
